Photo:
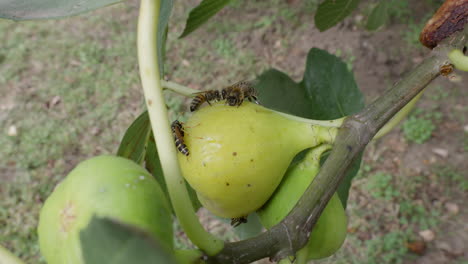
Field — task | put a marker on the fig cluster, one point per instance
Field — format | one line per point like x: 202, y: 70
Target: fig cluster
x: 235, y: 154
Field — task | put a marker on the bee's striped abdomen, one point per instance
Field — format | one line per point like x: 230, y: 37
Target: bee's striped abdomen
x: 181, y: 146
x: 178, y: 132
x: 197, y: 101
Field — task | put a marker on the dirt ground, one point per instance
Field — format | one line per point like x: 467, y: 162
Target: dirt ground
x: 407, y: 204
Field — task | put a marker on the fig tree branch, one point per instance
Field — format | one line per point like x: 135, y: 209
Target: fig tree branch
x: 293, y: 232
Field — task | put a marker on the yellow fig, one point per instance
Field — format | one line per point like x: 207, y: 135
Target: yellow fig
x: 238, y: 155
x: 330, y: 230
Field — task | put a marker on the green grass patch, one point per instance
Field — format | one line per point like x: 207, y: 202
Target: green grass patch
x: 380, y: 186
x: 418, y: 130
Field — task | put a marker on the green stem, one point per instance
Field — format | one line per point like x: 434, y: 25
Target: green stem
x: 152, y: 89
x: 179, y: 88
x: 6, y: 257
x: 398, y: 117
x: 458, y: 59
x: 301, y: 255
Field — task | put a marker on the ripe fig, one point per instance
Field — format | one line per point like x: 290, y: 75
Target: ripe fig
x: 329, y: 232
x: 238, y: 155
x: 106, y: 186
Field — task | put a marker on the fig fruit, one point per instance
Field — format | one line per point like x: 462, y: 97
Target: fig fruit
x: 238, y: 155
x: 106, y: 186
x: 329, y: 232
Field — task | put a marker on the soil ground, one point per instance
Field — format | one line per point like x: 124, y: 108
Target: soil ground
x: 70, y: 87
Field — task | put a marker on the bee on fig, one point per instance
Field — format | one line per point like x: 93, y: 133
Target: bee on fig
x: 235, y: 222
x: 205, y: 96
x: 178, y: 132
x: 236, y: 94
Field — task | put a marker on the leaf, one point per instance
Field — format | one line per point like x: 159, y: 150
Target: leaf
x: 378, y: 16
x: 134, y: 141
x: 250, y: 229
x: 41, y: 9
x: 202, y: 13
x: 327, y: 91
x: 331, y: 87
x: 278, y: 91
x: 330, y: 12
x: 153, y: 165
x: 345, y: 185
x: 107, y: 241
x: 164, y: 15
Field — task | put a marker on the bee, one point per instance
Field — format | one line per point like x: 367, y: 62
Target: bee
x: 178, y: 132
x: 205, y: 96
x: 235, y: 222
x: 236, y: 94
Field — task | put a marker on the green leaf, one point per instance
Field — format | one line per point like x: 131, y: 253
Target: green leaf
x: 278, y: 91
x: 331, y: 87
x: 250, y: 229
x: 134, y: 141
x: 378, y: 16
x: 107, y: 241
x: 327, y: 91
x: 164, y: 15
x: 345, y: 185
x: 200, y: 14
x: 330, y: 12
x: 41, y: 9
x: 153, y: 165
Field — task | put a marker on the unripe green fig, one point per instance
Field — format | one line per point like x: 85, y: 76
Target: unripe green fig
x: 238, y: 155
x: 329, y: 232
x: 105, y: 186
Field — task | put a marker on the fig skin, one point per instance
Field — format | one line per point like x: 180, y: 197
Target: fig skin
x: 106, y: 186
x: 330, y: 230
x: 238, y: 155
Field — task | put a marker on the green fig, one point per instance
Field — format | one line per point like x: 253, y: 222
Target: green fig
x: 106, y: 186
x: 329, y: 232
x: 238, y: 155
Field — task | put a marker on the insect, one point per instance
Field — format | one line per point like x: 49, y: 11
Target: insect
x: 178, y: 132
x: 238, y: 220
x: 205, y: 96
x: 236, y: 94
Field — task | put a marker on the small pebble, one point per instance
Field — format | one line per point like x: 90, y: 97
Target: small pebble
x: 452, y: 208
x: 12, y: 131
x: 441, y: 152
x: 427, y: 235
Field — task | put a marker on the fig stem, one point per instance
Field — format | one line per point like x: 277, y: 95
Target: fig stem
x: 6, y: 257
x: 152, y: 90
x: 178, y: 88
x: 301, y: 255
x: 458, y: 59
x: 396, y: 119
